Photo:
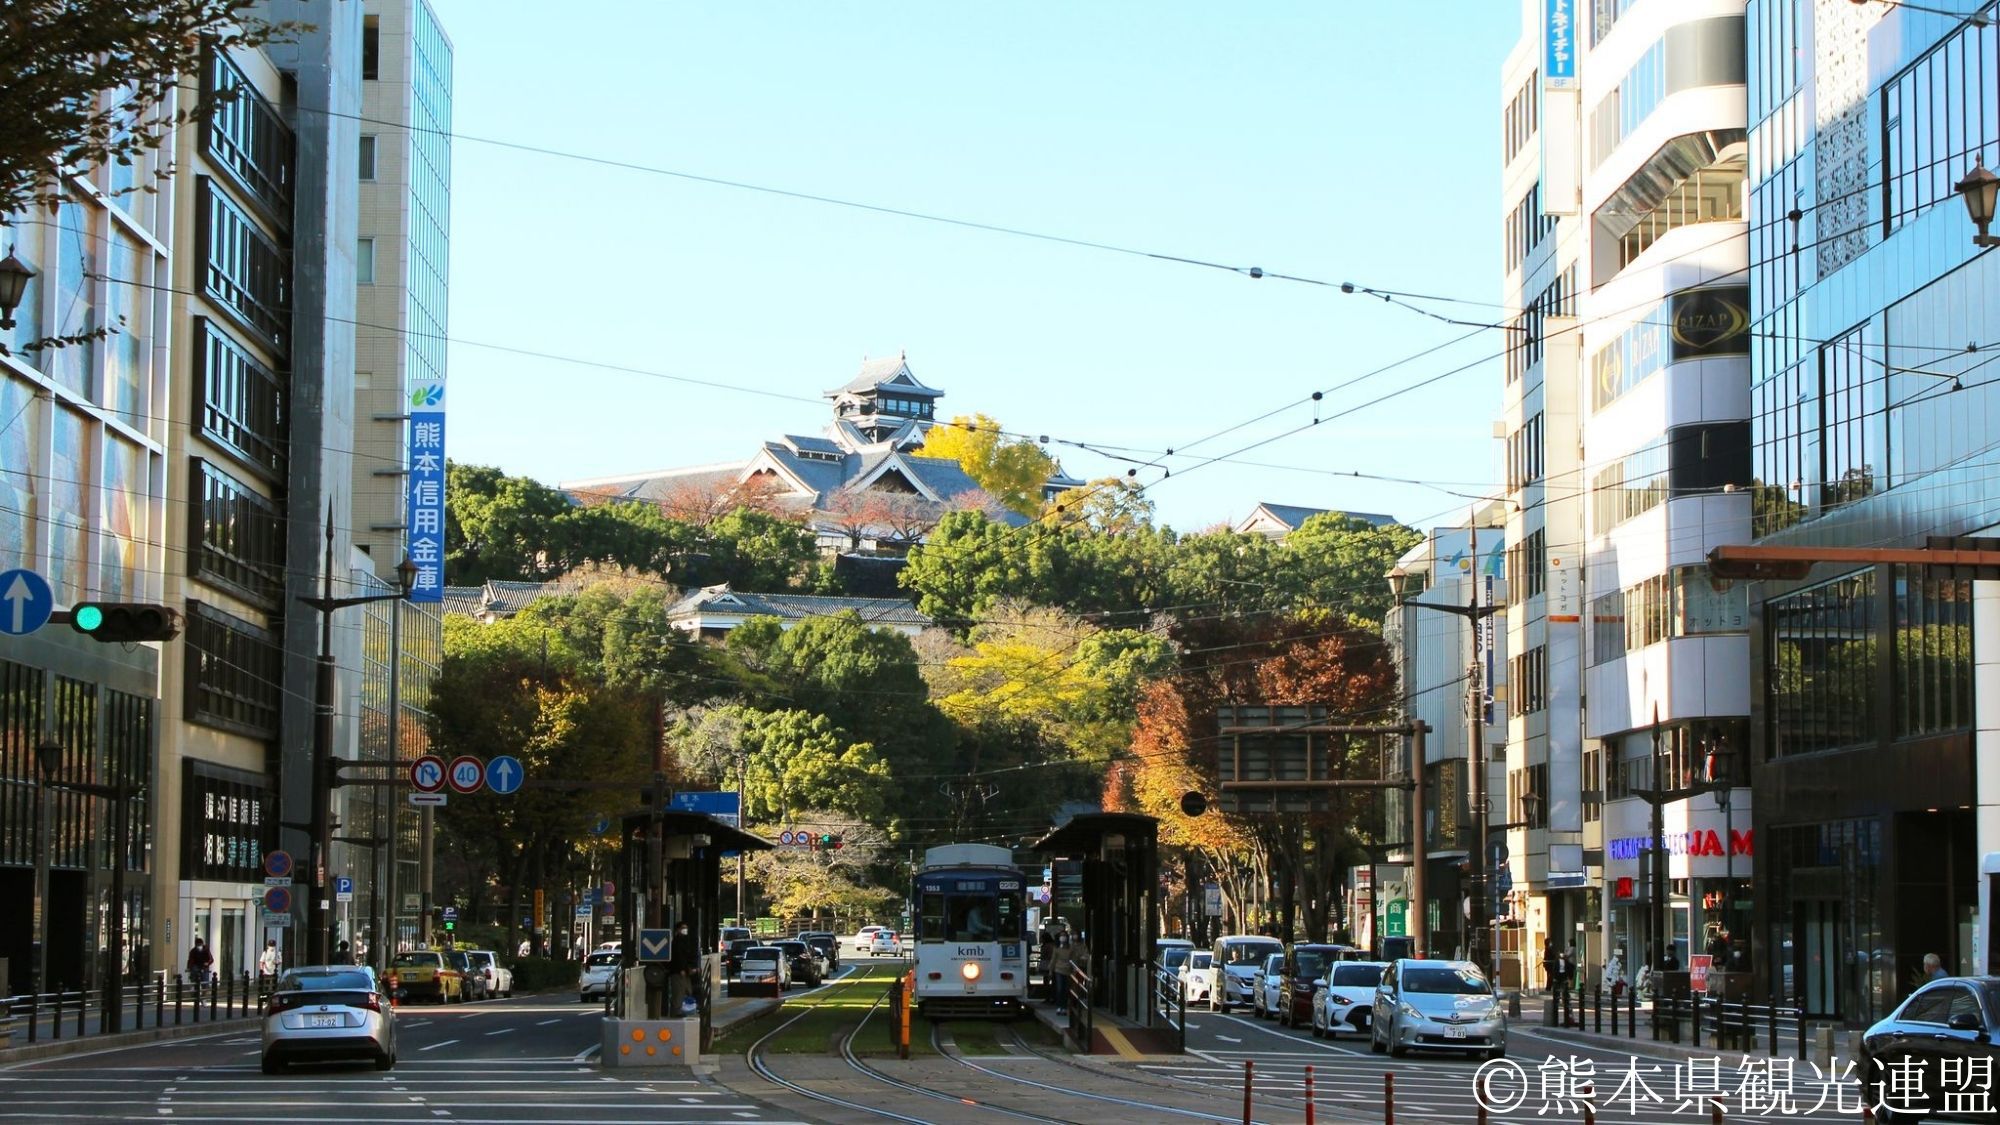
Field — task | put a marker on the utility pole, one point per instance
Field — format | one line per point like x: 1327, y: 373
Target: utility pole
x: 742, y: 819
x: 1477, y: 929
x: 1419, y: 916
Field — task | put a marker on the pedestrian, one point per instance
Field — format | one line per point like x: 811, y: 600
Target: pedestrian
x: 199, y: 961
x: 1934, y: 967
x: 1056, y: 976
x: 269, y: 961
x: 1551, y: 965
x: 1614, y: 973
x: 683, y: 961
x: 342, y: 955
x: 1566, y: 998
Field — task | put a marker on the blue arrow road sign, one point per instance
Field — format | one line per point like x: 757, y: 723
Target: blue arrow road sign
x: 655, y: 945
x: 504, y: 774
x: 25, y: 602
x: 602, y: 826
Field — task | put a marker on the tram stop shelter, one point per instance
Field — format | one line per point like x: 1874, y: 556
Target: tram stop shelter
x: 1113, y: 908
x: 668, y: 871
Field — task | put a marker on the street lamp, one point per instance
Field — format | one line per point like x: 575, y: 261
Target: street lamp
x: 1657, y: 797
x: 14, y: 278
x: 325, y: 775
x: 1720, y: 763
x: 1979, y: 189
x: 1480, y: 922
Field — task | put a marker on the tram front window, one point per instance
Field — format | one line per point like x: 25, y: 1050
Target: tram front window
x: 970, y: 917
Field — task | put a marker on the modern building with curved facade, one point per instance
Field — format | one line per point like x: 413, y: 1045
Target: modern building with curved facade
x: 1627, y: 450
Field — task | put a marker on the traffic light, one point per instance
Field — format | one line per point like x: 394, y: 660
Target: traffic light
x: 825, y: 841
x: 124, y: 622
x: 450, y: 924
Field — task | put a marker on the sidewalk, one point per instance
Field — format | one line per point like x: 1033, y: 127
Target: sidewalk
x: 1535, y: 1011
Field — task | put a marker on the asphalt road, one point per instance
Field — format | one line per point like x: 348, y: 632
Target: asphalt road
x: 1628, y: 1084
x: 530, y: 1059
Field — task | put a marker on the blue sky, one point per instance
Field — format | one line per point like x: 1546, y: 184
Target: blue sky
x: 1342, y: 141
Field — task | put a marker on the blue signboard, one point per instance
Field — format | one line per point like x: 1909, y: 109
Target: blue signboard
x: 426, y: 491
x: 1559, y: 44
x: 724, y: 807
x: 504, y: 774
x: 25, y: 602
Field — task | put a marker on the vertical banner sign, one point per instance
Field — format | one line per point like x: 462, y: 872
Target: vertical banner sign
x: 426, y: 496
x: 1488, y: 642
x: 1559, y: 44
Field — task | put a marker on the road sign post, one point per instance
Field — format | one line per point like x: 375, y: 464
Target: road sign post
x: 26, y: 601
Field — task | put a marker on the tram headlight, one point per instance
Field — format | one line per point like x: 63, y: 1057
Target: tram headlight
x: 969, y: 970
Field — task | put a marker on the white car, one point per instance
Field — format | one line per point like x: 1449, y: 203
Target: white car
x: 1265, y: 985
x: 1197, y: 975
x: 864, y: 936
x: 1237, y: 958
x: 885, y: 943
x: 499, y: 978
x: 600, y: 970
x: 1344, y: 999
x: 322, y: 1012
x: 763, y: 967
x: 1437, y: 1005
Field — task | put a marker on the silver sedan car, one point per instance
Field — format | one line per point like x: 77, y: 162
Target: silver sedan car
x: 328, y: 1012
x: 1437, y: 1005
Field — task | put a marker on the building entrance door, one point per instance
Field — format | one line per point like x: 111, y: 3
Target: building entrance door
x: 1817, y: 943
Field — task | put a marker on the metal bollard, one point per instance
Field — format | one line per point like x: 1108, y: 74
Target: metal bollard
x: 1694, y: 1003
x: 1632, y: 1014
x: 1799, y: 1016
x: 34, y: 1013
x: 1772, y: 1010
x: 1249, y: 1074
x: 214, y: 997
x: 1388, y: 1100
x: 1715, y: 1112
x: 82, y: 1003
x: 1597, y: 1009
x: 1309, y: 1094
x: 1589, y: 1114
x: 159, y: 1001
x: 180, y: 987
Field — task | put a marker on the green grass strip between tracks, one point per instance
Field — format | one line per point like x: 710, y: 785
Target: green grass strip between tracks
x: 830, y: 1011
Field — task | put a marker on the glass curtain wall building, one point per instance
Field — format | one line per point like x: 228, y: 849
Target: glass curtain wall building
x: 1875, y: 411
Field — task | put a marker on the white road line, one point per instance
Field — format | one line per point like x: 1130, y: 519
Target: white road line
x: 435, y: 1046
x: 1229, y: 1039
x: 502, y: 1031
x: 545, y: 1023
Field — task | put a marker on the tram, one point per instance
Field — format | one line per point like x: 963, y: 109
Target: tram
x: 968, y: 903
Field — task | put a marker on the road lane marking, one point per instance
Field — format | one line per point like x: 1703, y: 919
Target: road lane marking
x: 545, y: 1023
x: 502, y: 1031
x: 435, y: 1046
x: 1228, y: 1038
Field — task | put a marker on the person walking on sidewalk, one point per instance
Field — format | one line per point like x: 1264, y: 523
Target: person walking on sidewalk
x: 1566, y: 989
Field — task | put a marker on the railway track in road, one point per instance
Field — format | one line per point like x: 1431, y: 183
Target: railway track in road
x: 968, y: 1104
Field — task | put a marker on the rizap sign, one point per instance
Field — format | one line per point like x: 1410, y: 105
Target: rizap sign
x: 1713, y: 321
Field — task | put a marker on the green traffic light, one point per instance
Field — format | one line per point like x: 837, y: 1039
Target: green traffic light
x: 88, y: 618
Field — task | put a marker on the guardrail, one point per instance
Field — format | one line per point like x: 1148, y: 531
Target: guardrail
x: 1170, y: 1001
x: 85, y: 1012
x: 1730, y: 1024
x: 1078, y: 1005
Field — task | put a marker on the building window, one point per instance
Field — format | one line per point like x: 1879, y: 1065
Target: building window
x: 1820, y: 646
x: 239, y: 537
x: 246, y: 137
x: 1530, y: 329
x: 1607, y: 627
x: 1853, y: 436
x: 235, y: 673
x: 1526, y: 454
x: 1938, y: 116
x: 1933, y: 654
x: 1528, y: 681
x: 1526, y: 226
x: 1628, y: 487
x: 226, y: 823
x: 1689, y: 56
x: 1527, y: 566
x: 1521, y: 118
x: 240, y: 404
x: 241, y: 269
x: 367, y: 156
x: 1523, y: 784
x: 371, y: 47
x: 364, y: 261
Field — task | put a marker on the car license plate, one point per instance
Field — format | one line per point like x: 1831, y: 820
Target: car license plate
x: 323, y: 1019
x: 1454, y: 1033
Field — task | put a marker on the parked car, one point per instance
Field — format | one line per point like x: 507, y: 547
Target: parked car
x: 1436, y: 1005
x: 425, y: 974
x: 764, y: 968
x: 1904, y: 1057
x: 1264, y: 981
x: 1344, y: 998
x: 864, y: 938
x: 1170, y: 953
x: 805, y: 964
x: 472, y: 982
x: 1305, y: 964
x: 732, y: 954
x: 885, y: 943
x: 499, y: 978
x: 600, y: 975
x: 731, y: 933
x: 1237, y: 958
x: 1197, y: 975
x: 323, y: 1012
x: 828, y: 943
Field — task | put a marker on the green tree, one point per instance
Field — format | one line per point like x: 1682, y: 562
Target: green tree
x: 503, y: 527
x: 1337, y: 562
x: 1107, y: 506
x: 753, y: 550
x: 63, y: 55
x: 1012, y: 470
x: 797, y: 759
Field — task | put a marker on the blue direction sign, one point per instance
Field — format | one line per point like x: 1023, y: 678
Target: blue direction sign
x: 25, y: 602
x: 722, y: 806
x: 655, y: 945
x: 602, y: 826
x: 504, y: 774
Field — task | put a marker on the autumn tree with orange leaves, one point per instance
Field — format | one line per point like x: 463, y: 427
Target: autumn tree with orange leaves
x: 1315, y: 659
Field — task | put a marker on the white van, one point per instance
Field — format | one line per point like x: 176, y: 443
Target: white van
x: 1237, y: 959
